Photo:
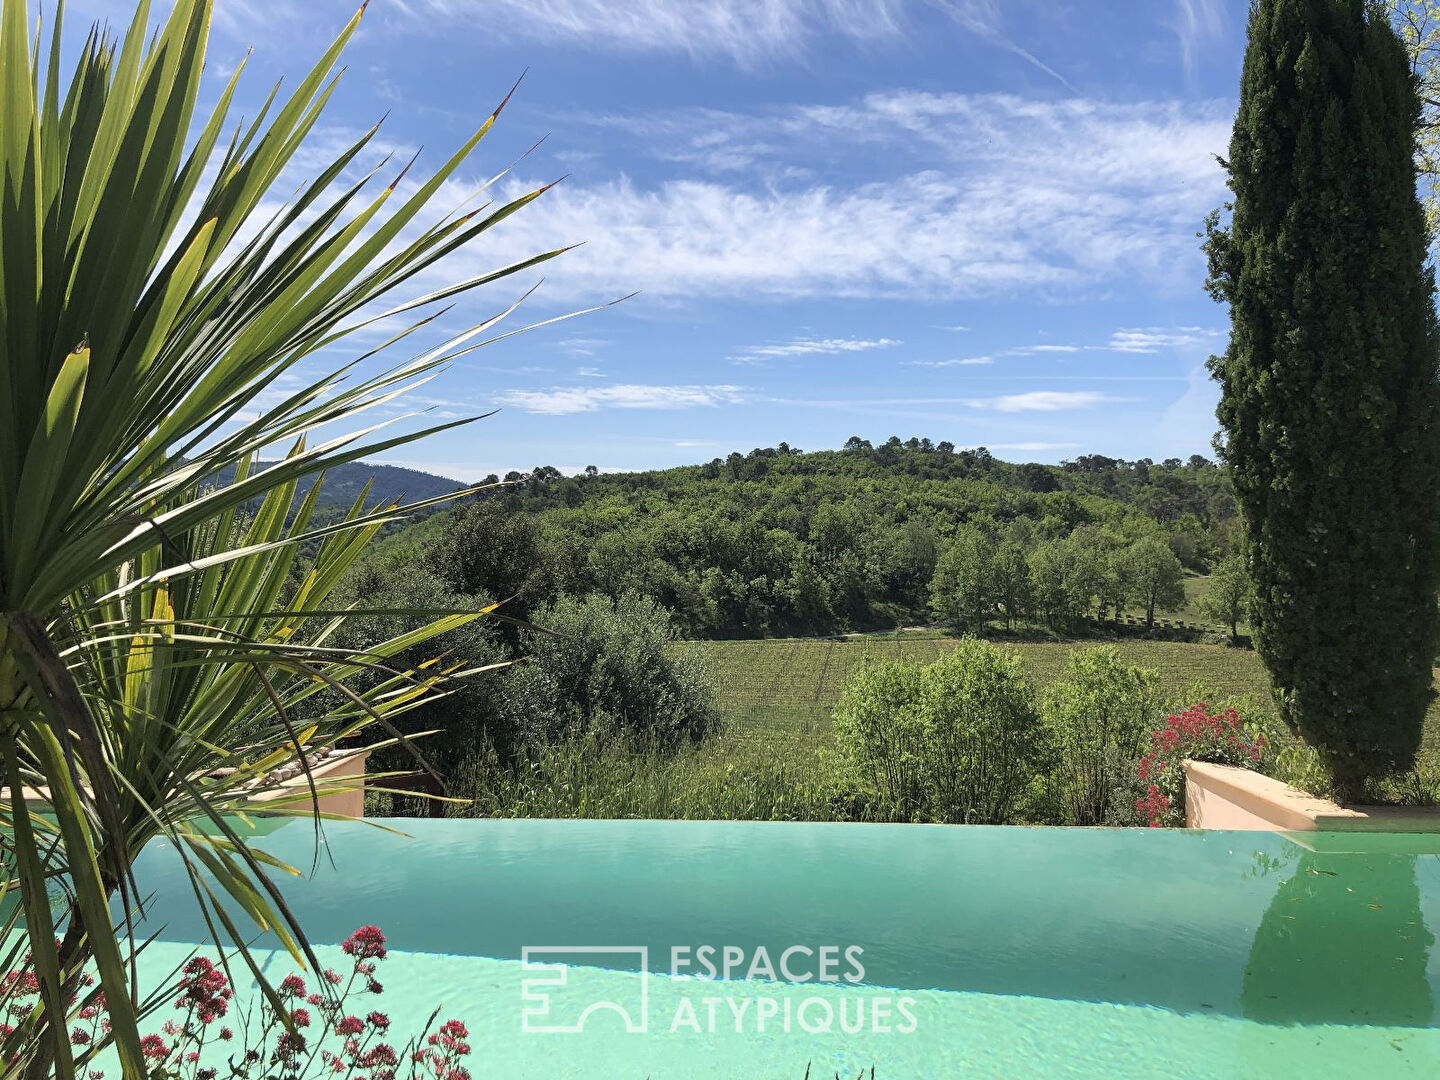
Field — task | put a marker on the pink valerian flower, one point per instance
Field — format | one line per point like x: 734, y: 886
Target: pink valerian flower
x: 349, y: 1025
x: 366, y: 943
x: 204, y: 993
x: 379, y: 1054
x: 1198, y: 735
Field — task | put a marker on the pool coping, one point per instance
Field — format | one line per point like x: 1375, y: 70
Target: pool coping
x: 339, y: 785
x: 1236, y: 799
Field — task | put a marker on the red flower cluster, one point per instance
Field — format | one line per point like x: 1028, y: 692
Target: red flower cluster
x: 1200, y: 736
x: 274, y: 1046
x: 366, y: 943
x: 204, y: 990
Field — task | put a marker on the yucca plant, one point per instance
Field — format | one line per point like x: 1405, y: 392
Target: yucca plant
x: 204, y: 687
x: 147, y: 300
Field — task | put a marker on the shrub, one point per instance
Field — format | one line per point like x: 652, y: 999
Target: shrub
x: 982, y: 734
x: 878, y: 730
x: 473, y: 710
x: 604, y: 664
x: 1099, y: 714
x: 958, y: 741
x: 1200, y: 736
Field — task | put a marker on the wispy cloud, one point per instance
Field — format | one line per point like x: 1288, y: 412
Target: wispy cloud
x: 1147, y: 339
x: 983, y: 18
x: 1056, y: 199
x: 746, y: 31
x: 579, y: 346
x: 562, y: 401
x: 759, y: 354
x: 1154, y: 338
x: 1036, y: 447
x: 966, y: 361
x: 1044, y: 401
x: 1197, y: 23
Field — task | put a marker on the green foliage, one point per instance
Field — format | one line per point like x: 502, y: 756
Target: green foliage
x: 600, y: 775
x: 603, y: 665
x: 1012, y: 584
x: 882, y: 738
x: 1228, y: 601
x: 957, y: 741
x: 155, y: 291
x: 472, y: 713
x: 1065, y: 576
x: 786, y: 543
x: 1157, y: 576
x: 1418, y: 24
x: 1329, y: 394
x: 1101, y: 712
x: 964, y: 590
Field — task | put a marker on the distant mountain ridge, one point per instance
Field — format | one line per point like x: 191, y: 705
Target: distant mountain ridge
x: 343, y: 484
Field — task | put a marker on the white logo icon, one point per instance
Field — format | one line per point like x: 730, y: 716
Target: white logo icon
x: 552, y: 972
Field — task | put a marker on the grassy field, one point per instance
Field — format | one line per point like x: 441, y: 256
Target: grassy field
x: 778, y: 694
x: 774, y: 759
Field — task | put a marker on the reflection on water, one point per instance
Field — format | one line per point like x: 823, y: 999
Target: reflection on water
x: 1343, y: 941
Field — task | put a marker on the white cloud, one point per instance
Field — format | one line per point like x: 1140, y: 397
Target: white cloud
x: 744, y: 30
x: 1152, y: 339
x: 1197, y: 23
x: 1027, y: 349
x: 983, y: 18
x: 562, y: 401
x: 757, y: 354
x: 967, y: 361
x: 589, y: 373
x: 993, y: 195
x: 1044, y: 401
x: 579, y: 346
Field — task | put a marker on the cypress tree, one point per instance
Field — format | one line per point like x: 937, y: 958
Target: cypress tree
x: 1329, y: 384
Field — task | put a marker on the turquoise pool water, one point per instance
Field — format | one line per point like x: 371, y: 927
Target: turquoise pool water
x: 986, y: 952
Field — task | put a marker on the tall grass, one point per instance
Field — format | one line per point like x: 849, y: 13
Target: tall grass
x: 597, y: 776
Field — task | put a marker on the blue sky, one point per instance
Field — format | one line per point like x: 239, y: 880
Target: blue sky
x: 968, y: 219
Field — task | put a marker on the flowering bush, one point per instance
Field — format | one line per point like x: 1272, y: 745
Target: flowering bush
x: 311, y: 1033
x: 1200, y: 736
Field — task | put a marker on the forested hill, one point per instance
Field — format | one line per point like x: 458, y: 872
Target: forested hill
x: 343, y: 484
x: 783, y: 542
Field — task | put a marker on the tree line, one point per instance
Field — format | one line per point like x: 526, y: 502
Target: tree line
x: 780, y: 542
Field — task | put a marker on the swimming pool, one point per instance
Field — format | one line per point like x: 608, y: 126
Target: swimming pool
x: 934, y: 951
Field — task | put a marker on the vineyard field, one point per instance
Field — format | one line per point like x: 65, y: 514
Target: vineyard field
x: 780, y: 691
